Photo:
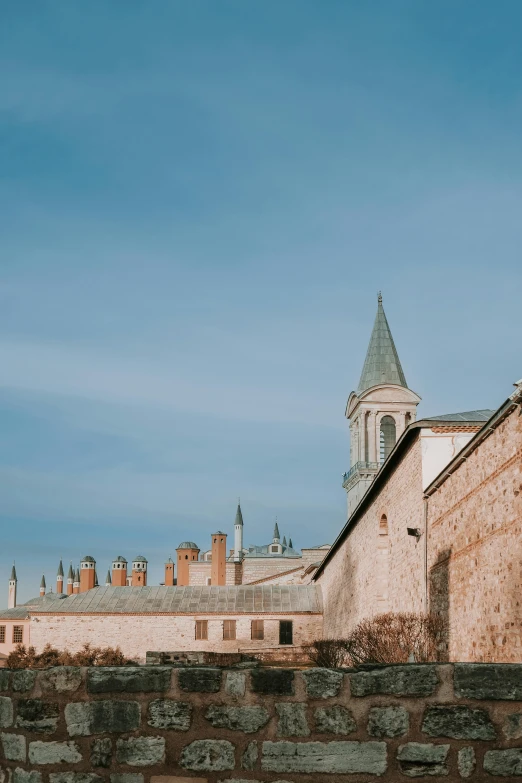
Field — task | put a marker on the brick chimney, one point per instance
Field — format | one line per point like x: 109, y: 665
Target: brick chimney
x: 219, y: 559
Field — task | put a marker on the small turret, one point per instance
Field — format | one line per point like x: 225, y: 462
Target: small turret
x: 108, y: 578
x: 119, y: 572
x: 59, y: 579
x: 87, y: 573
x: 139, y: 571
x: 13, y: 584
x: 70, y: 580
x: 42, y: 586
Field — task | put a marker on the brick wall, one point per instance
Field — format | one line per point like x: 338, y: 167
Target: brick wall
x: 475, y: 549
x: 158, y: 724
x: 370, y: 573
x: 136, y: 634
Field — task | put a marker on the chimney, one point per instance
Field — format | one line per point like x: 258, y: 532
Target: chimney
x: 13, y: 583
x: 139, y: 571
x: 169, y: 572
x: 219, y: 559
x: 87, y: 573
x: 187, y: 552
x: 59, y: 579
x: 119, y: 572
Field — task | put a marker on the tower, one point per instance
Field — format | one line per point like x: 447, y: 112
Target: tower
x: 87, y: 573
x: 119, y: 572
x: 379, y: 411
x: 219, y: 559
x: 169, y: 572
x: 59, y: 579
x: 42, y: 586
x: 13, y: 584
x: 186, y: 553
x: 275, y: 546
x: 139, y: 571
x: 76, y: 583
x: 238, y: 535
x: 108, y: 579
x: 70, y: 580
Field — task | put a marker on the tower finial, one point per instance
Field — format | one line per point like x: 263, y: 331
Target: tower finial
x: 379, y: 297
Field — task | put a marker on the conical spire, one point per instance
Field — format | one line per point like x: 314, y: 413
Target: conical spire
x: 108, y: 580
x: 96, y: 579
x: 239, y: 516
x: 284, y: 540
x: 77, y: 575
x: 276, y: 531
x: 13, y: 574
x: 382, y: 364
x: 42, y: 583
x: 70, y: 572
x: 60, y: 569
x: 290, y: 543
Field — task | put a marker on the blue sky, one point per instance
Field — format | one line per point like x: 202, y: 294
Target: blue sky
x: 199, y: 201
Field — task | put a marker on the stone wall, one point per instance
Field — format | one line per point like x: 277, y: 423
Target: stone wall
x: 158, y: 724
x: 379, y: 573
x: 475, y: 549
x: 137, y: 634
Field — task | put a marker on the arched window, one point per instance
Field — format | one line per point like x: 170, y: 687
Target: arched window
x: 387, y: 437
x: 383, y: 566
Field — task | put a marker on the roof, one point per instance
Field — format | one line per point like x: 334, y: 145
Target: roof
x: 22, y: 611
x: 140, y: 559
x: 467, y: 416
x: 13, y: 574
x: 60, y: 569
x: 119, y: 559
x: 233, y: 599
x: 239, y: 516
x: 88, y: 559
x: 382, y: 364
x: 264, y: 551
x: 70, y: 573
x: 188, y: 545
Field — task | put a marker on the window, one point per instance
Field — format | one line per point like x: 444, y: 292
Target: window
x: 18, y: 634
x: 2, y: 634
x: 387, y: 437
x: 258, y: 629
x: 209, y: 581
x: 201, y: 629
x: 275, y: 548
x: 229, y: 629
x: 285, y: 632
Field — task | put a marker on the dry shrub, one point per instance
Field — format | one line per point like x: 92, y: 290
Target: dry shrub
x: 27, y: 658
x: 394, y: 637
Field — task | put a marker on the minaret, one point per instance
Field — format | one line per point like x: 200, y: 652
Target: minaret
x: 139, y: 571
x: 59, y: 579
x: 76, y: 583
x: 379, y: 411
x: 108, y: 579
x: 70, y: 580
x: 238, y: 535
x: 87, y: 573
x: 42, y: 586
x: 13, y: 584
x: 276, y: 538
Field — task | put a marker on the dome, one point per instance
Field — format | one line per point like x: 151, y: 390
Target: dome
x: 119, y: 559
x: 140, y: 559
x: 188, y: 545
x: 88, y: 559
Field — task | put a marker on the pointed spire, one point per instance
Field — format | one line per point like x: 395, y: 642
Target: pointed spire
x: 290, y: 543
x: 108, y: 580
x: 13, y: 574
x: 239, y: 516
x: 276, y: 531
x: 70, y: 573
x: 96, y: 579
x: 284, y: 540
x: 382, y: 364
x: 77, y: 575
x: 60, y: 569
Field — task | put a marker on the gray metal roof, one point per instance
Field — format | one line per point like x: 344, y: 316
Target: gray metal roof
x: 88, y: 559
x: 233, y: 599
x: 382, y: 364
x: 264, y: 551
x: 188, y: 545
x: 13, y: 574
x: 140, y: 559
x: 467, y: 416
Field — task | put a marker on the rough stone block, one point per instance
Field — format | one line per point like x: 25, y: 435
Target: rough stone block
x: 322, y: 683
x: 101, y: 752
x: 208, y: 756
x: 458, y: 722
x: 23, y: 680
x: 127, y: 777
x: 512, y: 727
x: 247, y: 719
x: 388, y: 722
x: 417, y: 760
x: 339, y: 757
x: 488, y: 681
x: 6, y: 712
x: 334, y: 720
x: 37, y: 715
x: 15, y: 747
x: 200, y: 680
x: 250, y: 755
x: 410, y: 680
x: 175, y: 779
x: 466, y: 762
x: 169, y: 714
x: 235, y: 683
x: 141, y: 751
x: 5, y: 675
x: 128, y: 679
x: 24, y: 776
x: 99, y: 717
x: 292, y: 720
x: 54, y: 753
x: 61, y: 679
x: 506, y: 763
x: 277, y: 682
x: 74, y: 777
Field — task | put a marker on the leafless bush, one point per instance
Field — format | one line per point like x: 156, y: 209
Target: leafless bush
x: 27, y: 658
x: 399, y: 637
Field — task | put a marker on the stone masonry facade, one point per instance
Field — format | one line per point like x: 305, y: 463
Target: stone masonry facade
x: 371, y: 572
x: 160, y: 724
x: 475, y: 549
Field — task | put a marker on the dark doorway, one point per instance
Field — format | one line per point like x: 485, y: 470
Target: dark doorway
x: 286, y: 632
